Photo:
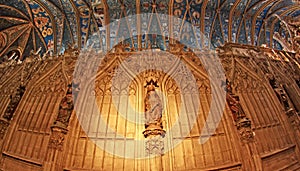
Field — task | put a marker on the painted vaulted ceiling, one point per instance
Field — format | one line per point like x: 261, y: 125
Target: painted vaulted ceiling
x: 51, y: 26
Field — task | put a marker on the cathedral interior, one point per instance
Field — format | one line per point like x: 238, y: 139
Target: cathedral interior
x: 150, y: 85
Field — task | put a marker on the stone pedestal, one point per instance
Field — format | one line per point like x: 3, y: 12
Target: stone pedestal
x: 54, y: 159
x: 251, y: 157
x: 154, y: 146
x: 154, y: 140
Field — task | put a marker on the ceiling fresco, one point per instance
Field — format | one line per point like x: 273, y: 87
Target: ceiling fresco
x: 49, y: 27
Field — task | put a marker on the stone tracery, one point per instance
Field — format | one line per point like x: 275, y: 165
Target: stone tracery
x: 251, y: 100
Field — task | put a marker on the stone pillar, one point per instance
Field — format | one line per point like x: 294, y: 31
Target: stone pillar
x: 154, y: 132
x: 251, y: 158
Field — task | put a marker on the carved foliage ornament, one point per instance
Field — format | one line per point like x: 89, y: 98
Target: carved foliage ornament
x: 154, y: 146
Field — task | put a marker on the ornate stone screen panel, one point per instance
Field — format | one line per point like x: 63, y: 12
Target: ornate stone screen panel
x: 123, y: 117
x: 260, y: 103
x: 29, y: 136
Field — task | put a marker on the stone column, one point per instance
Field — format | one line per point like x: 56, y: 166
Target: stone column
x: 154, y: 132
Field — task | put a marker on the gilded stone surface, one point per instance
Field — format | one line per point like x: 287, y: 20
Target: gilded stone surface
x: 252, y: 105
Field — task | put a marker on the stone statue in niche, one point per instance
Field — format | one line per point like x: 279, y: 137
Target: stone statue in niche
x: 65, y: 109
x: 234, y: 103
x: 242, y: 122
x: 289, y: 110
x: 13, y: 104
x: 235, y: 107
x: 153, y: 111
x: 283, y: 99
x: 153, y: 106
x: 281, y: 95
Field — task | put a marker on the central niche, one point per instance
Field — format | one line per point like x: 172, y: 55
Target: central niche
x: 122, y: 106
